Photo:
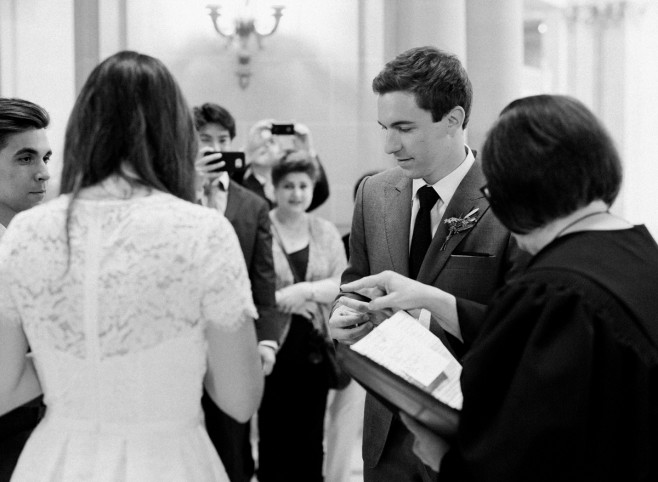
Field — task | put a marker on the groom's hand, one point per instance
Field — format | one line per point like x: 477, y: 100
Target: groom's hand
x: 348, y: 325
x: 376, y: 316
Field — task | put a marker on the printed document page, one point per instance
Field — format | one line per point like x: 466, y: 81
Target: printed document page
x: 414, y: 353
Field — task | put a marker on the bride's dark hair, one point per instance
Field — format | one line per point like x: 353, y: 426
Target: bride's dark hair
x: 130, y: 116
x: 130, y: 113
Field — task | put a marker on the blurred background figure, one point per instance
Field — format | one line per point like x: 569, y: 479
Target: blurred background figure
x: 573, y: 339
x: 268, y: 142
x: 248, y: 214
x: 343, y: 424
x: 130, y: 295
x: 24, y: 155
x: 344, y: 420
x: 308, y: 260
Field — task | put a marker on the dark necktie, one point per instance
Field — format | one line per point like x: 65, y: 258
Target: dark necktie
x: 422, y: 236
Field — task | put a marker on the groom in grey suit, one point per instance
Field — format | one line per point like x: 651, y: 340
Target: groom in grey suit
x: 424, y: 100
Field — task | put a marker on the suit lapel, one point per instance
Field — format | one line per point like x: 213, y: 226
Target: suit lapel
x: 467, y: 197
x: 397, y: 218
x: 232, y: 202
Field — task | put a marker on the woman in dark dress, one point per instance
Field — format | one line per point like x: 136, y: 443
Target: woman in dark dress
x: 308, y: 260
x: 562, y: 381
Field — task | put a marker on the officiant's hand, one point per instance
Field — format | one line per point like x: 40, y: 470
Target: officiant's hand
x: 390, y: 290
x: 347, y: 325
x: 428, y: 447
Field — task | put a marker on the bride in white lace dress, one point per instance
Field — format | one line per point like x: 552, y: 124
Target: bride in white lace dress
x: 128, y: 297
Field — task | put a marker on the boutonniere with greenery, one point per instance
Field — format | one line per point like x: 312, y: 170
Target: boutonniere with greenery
x: 458, y: 225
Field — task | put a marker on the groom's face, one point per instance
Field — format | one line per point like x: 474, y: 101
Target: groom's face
x: 417, y: 142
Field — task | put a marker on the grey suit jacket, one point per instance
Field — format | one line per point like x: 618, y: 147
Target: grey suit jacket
x: 474, y: 264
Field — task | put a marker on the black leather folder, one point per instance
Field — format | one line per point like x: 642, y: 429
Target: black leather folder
x: 398, y: 394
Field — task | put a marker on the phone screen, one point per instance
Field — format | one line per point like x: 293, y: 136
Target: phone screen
x: 284, y: 135
x: 283, y: 129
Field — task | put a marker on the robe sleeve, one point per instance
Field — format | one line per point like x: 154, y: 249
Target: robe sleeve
x: 525, y: 387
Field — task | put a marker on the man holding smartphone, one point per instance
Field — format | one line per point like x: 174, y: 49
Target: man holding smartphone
x: 248, y: 213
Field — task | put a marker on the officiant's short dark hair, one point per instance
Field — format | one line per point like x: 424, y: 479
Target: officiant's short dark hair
x: 545, y: 157
x: 437, y: 79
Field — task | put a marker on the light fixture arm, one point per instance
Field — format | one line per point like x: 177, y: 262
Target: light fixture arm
x: 214, y: 15
x: 244, y: 29
x: 277, y: 13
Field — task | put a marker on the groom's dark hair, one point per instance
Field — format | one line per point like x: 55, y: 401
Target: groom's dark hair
x: 436, y: 78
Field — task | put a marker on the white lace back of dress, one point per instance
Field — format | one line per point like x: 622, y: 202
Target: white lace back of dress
x: 117, y: 323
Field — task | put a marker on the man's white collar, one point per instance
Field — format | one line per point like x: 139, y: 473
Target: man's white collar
x: 447, y: 186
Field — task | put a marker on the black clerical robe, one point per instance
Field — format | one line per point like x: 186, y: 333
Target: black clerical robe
x: 562, y: 382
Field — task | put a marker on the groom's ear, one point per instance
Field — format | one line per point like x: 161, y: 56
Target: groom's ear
x: 456, y: 118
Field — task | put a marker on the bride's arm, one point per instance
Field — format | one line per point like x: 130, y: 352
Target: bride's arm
x: 235, y: 376
x: 18, y: 379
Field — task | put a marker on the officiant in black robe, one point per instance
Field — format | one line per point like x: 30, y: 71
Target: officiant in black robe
x: 561, y: 382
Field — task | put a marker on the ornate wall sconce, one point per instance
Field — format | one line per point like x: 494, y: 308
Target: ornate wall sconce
x: 242, y: 27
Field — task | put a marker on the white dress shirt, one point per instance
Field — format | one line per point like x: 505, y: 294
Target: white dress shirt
x: 446, y: 189
x: 215, y: 195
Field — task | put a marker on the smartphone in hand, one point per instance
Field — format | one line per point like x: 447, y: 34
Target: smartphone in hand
x: 232, y: 160
x: 283, y: 129
x: 284, y: 135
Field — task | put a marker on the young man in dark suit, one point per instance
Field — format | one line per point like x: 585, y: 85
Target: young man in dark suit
x: 248, y: 213
x: 24, y: 154
x: 424, y: 101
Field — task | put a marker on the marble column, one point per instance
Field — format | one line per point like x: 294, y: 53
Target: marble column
x: 639, y: 193
x: 425, y: 22
x: 86, y: 45
x: 37, y: 64
x: 100, y: 31
x: 598, y: 65
x: 495, y: 61
x: 113, y: 27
